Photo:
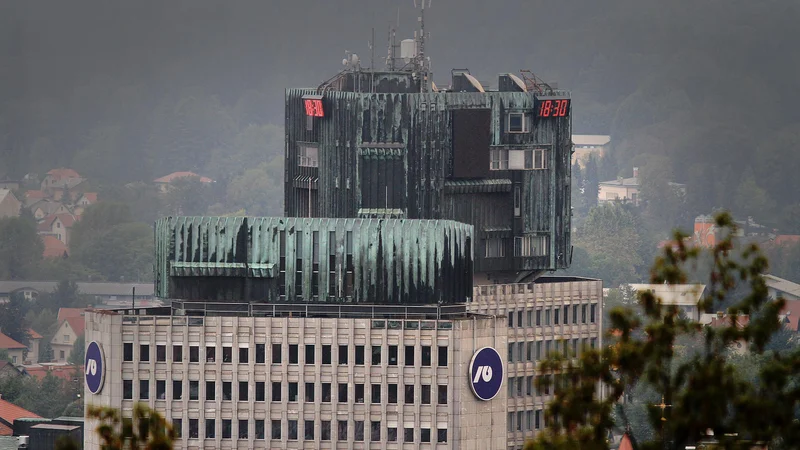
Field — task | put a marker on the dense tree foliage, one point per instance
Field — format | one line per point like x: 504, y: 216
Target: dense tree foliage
x: 20, y: 247
x: 146, y: 429
x: 48, y: 397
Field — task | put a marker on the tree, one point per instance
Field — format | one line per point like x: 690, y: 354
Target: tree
x: 701, y: 383
x: 147, y: 429
x: 78, y: 351
x: 12, y: 319
x: 590, y: 184
x: 258, y: 190
x: 122, y: 252
x: 4, y: 355
x: 20, y: 248
x: 751, y: 200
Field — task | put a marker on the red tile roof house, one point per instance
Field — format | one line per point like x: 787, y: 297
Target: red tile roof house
x: 71, y: 325
x: 10, y: 412
x: 56, y: 178
x: 58, y: 225
x: 164, y: 182
x: 16, y: 350
x: 53, y: 248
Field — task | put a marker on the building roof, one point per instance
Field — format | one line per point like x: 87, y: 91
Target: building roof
x: 5, y: 193
x: 78, y: 325
x: 62, y: 173
x: 7, y: 343
x: 720, y: 321
x: 47, y: 223
x: 177, y: 175
x: 782, y: 285
x: 66, y: 313
x: 590, y: 139
x: 674, y: 294
x: 786, y: 239
x: 90, y: 196
x: 85, y: 288
x: 10, y: 412
x: 627, y: 182
x: 53, y: 248
x: 66, y: 372
x: 33, y: 334
x: 7, y: 431
x: 35, y: 194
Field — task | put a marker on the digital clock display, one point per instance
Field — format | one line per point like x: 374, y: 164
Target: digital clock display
x: 313, y: 106
x: 553, y: 107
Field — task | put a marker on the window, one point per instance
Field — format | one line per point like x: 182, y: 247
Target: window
x: 409, y: 356
x: 510, y: 352
x: 556, y: 314
x: 547, y: 317
x: 326, y: 392
x: 517, y: 201
x: 243, y: 428
x: 309, y: 397
x: 227, y: 354
x: 584, y: 316
x: 529, y: 351
x: 341, y: 430
x: 375, y: 431
x: 528, y: 420
x: 210, y: 428
x: 391, y: 434
x: 593, y: 313
x: 575, y: 314
x: 293, y: 391
x: 566, y: 314
x: 408, y: 435
x: 376, y: 394
x: 276, y: 353
x: 227, y: 391
x: 442, y: 359
x: 210, y: 390
x: 359, y: 431
x: 538, y: 317
x: 127, y: 389
x: 276, y: 391
x: 261, y: 391
x: 144, y: 352
x: 276, y: 429
x: 325, y: 430
x: 194, y: 390
x: 177, y: 390
x: 425, y: 394
x: 359, y: 397
x: 161, y: 353
x: 161, y: 389
x: 326, y: 354
x: 177, y: 353
x: 194, y: 428
x: 520, y: 420
x: 529, y: 385
x: 261, y: 354
x: 392, y: 394
x: 294, y: 354
x: 309, y: 354
x: 425, y: 435
x: 342, y: 394
x: 520, y: 382
x: 177, y: 425
x: 243, y: 391
x: 376, y: 355
x: 498, y: 159
x: 442, y: 397
x: 307, y: 155
x: 144, y: 389
x: 227, y: 428
x: 127, y: 351
x: 530, y: 245
x: 244, y: 355
x: 292, y: 429
x: 359, y: 355
x: 342, y: 354
x: 495, y: 248
x: 537, y: 419
x: 441, y: 435
x: 392, y: 355
x: 426, y: 356
x: 260, y: 432
x: 510, y: 421
x: 517, y: 122
x: 409, y: 397
x: 194, y: 353
x: 211, y: 354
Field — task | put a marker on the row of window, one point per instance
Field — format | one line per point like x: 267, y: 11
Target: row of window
x: 531, y: 245
x: 310, y: 430
x: 526, y: 420
x: 310, y: 354
x: 536, y: 350
x: 582, y: 313
x: 378, y: 392
x: 526, y: 159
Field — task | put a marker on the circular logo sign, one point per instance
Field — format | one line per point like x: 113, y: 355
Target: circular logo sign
x: 486, y: 373
x: 95, y: 367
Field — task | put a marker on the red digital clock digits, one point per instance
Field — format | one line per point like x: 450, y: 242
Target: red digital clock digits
x: 553, y: 108
x: 314, y: 107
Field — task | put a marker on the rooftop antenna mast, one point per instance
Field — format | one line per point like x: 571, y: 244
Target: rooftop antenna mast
x: 421, y: 62
x: 392, y: 44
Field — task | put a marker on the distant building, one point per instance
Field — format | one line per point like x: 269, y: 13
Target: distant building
x: 778, y: 286
x: 58, y: 179
x: 10, y: 412
x: 620, y: 190
x: 71, y: 326
x: 100, y: 293
x: 684, y: 296
x: 9, y: 205
x: 16, y: 351
x: 585, y: 146
x: 57, y: 225
x: 53, y: 248
x: 164, y: 182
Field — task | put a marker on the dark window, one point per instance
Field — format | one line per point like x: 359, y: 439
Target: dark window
x: 359, y: 397
x: 194, y: 428
x: 392, y: 355
x: 516, y: 122
x: 227, y: 354
x: 426, y: 356
x: 376, y: 393
x: 309, y: 354
x: 161, y: 353
x: 144, y: 352
x: 276, y: 429
x: 243, y: 388
x: 376, y: 355
x: 425, y: 394
x: 442, y: 395
x: 308, y: 430
x: 408, y: 435
x: 326, y: 392
x: 471, y: 140
x: 392, y: 394
x: 342, y: 354
x: 276, y: 391
x: 584, y: 316
x: 293, y: 391
x: 260, y: 432
x: 227, y: 391
x: 244, y: 355
x: 227, y: 428
x: 294, y: 354
x: 177, y: 390
x: 409, y: 397
x: 566, y: 314
x: 441, y: 435
x: 210, y: 390
x: 161, y: 389
x: 538, y: 317
x: 243, y: 425
x: 342, y: 397
x: 391, y: 434
x: 144, y: 389
x: 409, y: 360
x: 194, y: 390
x: 341, y: 432
x: 309, y: 397
x: 292, y: 430
x: 211, y: 354
x: 375, y: 431
x: 593, y: 313
x: 359, y: 355
x: 556, y: 314
x: 511, y: 319
x: 177, y: 353
x: 425, y: 435
x: 326, y: 354
x: 261, y: 353
x: 276, y: 353
x: 359, y: 431
x: 177, y: 425
x: 325, y: 430
x: 261, y: 391
x: 442, y: 359
x: 210, y: 428
x: 575, y: 314
x: 194, y: 353
x: 127, y: 389
x: 127, y: 351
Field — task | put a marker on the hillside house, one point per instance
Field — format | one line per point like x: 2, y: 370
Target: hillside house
x: 585, y: 146
x: 16, y: 351
x: 10, y: 412
x: 47, y: 207
x: 59, y: 179
x: 53, y: 248
x: 9, y: 205
x: 34, y: 196
x: 684, y: 296
x: 164, y: 182
x: 9, y: 370
x: 621, y: 189
x: 71, y: 325
x: 58, y: 225
x: 34, y: 341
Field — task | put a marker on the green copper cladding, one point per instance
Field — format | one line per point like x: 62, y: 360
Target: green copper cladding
x: 272, y: 260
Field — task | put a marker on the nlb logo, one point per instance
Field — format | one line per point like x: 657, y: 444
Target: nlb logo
x: 486, y: 373
x: 95, y: 367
